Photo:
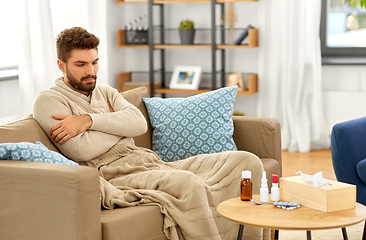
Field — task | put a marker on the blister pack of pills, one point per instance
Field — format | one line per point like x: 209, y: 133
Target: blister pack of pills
x: 286, y: 205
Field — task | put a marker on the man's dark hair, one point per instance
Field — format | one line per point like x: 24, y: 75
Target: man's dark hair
x: 74, y: 38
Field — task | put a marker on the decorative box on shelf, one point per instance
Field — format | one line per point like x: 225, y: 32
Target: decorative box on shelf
x: 136, y: 37
x: 335, y: 197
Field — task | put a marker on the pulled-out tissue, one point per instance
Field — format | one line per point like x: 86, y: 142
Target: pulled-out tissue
x: 316, y: 179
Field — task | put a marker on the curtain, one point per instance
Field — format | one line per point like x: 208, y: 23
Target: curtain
x: 289, y: 72
x: 37, y: 63
x: 42, y: 21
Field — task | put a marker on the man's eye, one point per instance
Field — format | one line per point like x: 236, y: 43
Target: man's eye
x: 80, y: 65
x: 95, y: 62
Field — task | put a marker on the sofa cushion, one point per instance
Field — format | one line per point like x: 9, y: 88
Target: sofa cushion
x: 25, y: 130
x: 200, y: 124
x: 361, y: 170
x: 134, y: 96
x: 271, y: 166
x: 141, y: 222
x: 26, y: 151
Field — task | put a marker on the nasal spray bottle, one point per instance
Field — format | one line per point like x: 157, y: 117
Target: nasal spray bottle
x: 264, y: 188
x: 275, y: 191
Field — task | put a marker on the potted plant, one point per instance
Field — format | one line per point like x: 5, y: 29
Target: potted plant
x: 187, y: 32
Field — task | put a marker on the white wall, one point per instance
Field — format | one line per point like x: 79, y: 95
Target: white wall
x: 116, y: 56
x: 344, y: 93
x: 344, y: 78
x: 335, y: 78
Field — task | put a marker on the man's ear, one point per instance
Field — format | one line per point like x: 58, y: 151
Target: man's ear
x: 61, y: 65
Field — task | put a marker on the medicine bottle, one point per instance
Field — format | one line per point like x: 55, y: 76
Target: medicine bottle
x: 275, y: 191
x: 246, y: 186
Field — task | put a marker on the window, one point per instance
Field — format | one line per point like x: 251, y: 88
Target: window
x: 12, y: 28
x: 10, y: 40
x: 342, y: 33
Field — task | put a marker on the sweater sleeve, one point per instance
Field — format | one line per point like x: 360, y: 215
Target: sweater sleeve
x: 83, y: 147
x: 125, y: 121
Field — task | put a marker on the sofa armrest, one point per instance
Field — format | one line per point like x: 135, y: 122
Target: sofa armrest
x: 347, y: 148
x: 258, y: 135
x: 49, y: 201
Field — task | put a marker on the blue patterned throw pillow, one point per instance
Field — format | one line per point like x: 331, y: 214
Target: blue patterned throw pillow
x: 200, y: 124
x: 26, y: 151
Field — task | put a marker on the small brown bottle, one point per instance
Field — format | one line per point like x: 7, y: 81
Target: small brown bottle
x: 246, y: 186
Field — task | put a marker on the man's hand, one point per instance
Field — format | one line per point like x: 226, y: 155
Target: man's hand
x: 69, y: 126
x: 110, y: 107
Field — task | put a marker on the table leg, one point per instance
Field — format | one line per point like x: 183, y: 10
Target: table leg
x: 308, y: 235
x: 240, y: 233
x: 344, y: 232
x: 274, y: 234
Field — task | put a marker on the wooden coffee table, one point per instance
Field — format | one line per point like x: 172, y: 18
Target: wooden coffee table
x: 303, y: 218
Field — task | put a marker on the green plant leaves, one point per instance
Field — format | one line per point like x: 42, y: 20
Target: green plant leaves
x: 356, y: 3
x: 186, y: 25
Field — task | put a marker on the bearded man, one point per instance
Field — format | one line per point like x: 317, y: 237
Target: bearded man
x: 94, y: 125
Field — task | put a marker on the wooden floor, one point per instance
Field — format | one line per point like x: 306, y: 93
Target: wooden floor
x: 308, y: 163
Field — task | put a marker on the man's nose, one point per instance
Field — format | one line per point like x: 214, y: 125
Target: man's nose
x: 90, y: 69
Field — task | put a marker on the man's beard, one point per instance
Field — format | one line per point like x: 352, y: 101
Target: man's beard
x: 78, y: 85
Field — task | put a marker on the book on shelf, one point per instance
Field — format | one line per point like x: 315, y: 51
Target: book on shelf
x: 243, y: 35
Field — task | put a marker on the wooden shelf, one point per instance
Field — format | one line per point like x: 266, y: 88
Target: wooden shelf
x: 122, y: 1
x: 223, y: 1
x: 124, y: 77
x: 252, y: 35
x: 121, y: 41
x: 253, y: 41
x: 252, y: 88
x: 170, y: 46
x: 252, y: 85
x: 181, y: 91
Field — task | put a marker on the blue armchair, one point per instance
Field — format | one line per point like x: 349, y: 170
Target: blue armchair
x: 348, y: 148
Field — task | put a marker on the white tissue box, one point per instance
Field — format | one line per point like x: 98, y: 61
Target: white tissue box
x: 338, y: 196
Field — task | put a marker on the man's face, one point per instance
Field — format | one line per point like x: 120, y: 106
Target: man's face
x: 80, y: 71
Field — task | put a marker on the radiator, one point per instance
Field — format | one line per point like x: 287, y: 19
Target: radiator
x: 343, y: 106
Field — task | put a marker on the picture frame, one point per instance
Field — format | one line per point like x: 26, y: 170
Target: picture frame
x: 186, y: 77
